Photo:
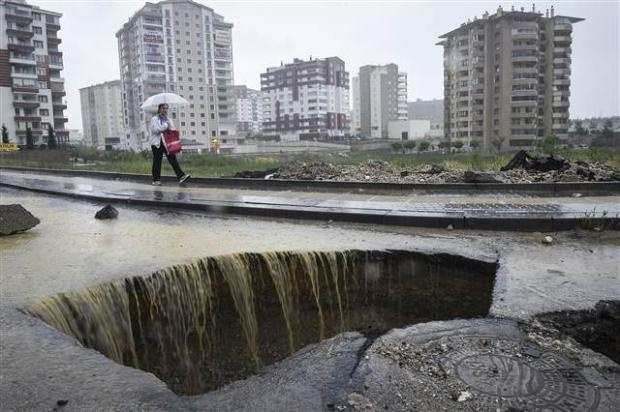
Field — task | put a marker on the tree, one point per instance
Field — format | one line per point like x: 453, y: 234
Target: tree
x: 397, y: 146
x: 457, y: 144
x: 409, y: 144
x: 51, y: 138
x: 5, y: 134
x: 579, y: 129
x: 474, y: 144
x: 607, y: 133
x: 423, y: 146
x: 29, y: 138
x: 550, y: 144
x: 497, y: 143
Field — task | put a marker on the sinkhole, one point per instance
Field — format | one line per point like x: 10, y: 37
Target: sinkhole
x: 202, y: 325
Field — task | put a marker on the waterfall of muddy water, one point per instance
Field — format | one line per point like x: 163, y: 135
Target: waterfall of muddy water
x: 202, y: 325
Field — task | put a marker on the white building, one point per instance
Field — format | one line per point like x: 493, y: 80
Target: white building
x: 306, y: 100
x: 409, y: 129
x: 249, y: 111
x: 380, y: 96
x: 31, y: 89
x: 183, y: 47
x: 102, y: 115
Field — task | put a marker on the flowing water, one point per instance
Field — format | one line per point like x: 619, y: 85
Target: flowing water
x: 219, y: 319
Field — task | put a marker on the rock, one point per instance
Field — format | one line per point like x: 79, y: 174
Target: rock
x: 108, y: 212
x: 547, y: 240
x: 61, y: 402
x: 15, y: 219
x: 476, y: 177
x: 404, y: 173
x: 608, y: 309
x: 464, y: 396
x: 436, y: 169
x: 449, y: 227
x: 576, y: 195
x: 587, y: 173
x: 256, y: 174
x: 523, y: 160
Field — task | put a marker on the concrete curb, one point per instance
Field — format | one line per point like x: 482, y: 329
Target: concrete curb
x: 550, y: 189
x: 458, y: 220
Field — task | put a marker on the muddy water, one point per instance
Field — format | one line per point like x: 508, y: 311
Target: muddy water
x: 202, y: 325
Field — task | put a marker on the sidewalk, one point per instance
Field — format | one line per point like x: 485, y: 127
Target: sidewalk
x: 493, y: 211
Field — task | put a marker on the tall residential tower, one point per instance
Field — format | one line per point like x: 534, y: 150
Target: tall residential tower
x: 380, y: 96
x: 507, y: 78
x: 31, y: 89
x: 102, y: 115
x: 182, y: 47
x: 306, y: 100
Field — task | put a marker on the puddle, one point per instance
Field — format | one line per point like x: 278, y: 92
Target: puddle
x: 202, y: 325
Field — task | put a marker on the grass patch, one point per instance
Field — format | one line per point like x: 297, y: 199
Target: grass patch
x: 208, y: 165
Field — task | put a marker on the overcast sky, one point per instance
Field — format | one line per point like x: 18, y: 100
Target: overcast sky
x: 360, y: 32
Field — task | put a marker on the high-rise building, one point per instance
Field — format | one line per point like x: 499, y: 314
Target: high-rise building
x: 431, y: 110
x: 507, y: 78
x: 102, y: 115
x: 249, y: 111
x: 31, y: 89
x: 182, y: 47
x: 306, y: 100
x: 380, y: 96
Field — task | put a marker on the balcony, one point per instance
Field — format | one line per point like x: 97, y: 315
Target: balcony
x: 18, y: 16
x: 27, y: 118
x: 562, y: 60
x: 26, y: 104
x: 565, y: 71
x: 559, y: 115
x: 23, y: 60
x: 561, y: 82
x: 560, y: 104
x: 21, y: 47
x: 53, y: 26
x: 19, y: 33
x: 54, y: 40
x: 56, y: 65
x: 562, y: 39
x: 57, y: 53
x: 35, y: 132
x: 59, y: 106
x: 533, y: 58
x: 24, y: 75
x: 60, y: 119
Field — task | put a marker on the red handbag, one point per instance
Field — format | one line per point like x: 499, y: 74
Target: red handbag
x: 172, y: 142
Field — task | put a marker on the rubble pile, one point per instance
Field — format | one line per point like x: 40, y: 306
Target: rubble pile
x: 522, y: 169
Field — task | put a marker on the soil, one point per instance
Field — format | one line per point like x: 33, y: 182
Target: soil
x: 381, y: 171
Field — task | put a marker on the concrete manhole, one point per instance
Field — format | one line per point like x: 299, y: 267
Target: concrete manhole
x: 513, y: 374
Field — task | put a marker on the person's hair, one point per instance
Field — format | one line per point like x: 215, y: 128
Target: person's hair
x: 160, y: 106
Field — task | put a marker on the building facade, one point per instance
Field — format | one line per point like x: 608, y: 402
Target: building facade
x: 380, y: 96
x: 306, y: 100
x: 507, y: 78
x: 31, y: 87
x: 102, y: 115
x: 182, y: 47
x: 249, y: 111
x: 431, y: 110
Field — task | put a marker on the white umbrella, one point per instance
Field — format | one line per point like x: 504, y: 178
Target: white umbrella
x: 171, y: 99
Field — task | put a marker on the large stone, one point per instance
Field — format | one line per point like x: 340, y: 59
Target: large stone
x: 14, y: 219
x: 108, y: 212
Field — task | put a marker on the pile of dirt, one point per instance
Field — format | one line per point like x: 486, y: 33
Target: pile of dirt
x: 381, y: 171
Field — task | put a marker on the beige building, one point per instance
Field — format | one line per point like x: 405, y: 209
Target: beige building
x: 379, y: 97
x: 507, y: 78
x: 102, y: 115
x: 31, y: 86
x: 182, y: 47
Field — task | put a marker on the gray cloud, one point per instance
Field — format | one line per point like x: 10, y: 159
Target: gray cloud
x: 403, y: 32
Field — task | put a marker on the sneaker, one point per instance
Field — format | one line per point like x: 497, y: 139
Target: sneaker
x: 156, y: 183
x: 184, y: 178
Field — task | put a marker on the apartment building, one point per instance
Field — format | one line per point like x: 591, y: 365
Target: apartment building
x: 380, y: 96
x: 249, y: 111
x: 507, y: 78
x: 306, y: 100
x: 102, y: 115
x: 31, y: 87
x: 183, y: 47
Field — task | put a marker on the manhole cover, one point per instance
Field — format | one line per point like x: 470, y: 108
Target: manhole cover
x: 502, y: 373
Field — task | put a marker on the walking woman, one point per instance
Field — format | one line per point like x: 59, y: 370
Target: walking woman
x: 159, y: 124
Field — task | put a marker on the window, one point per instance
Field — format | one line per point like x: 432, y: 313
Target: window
x: 212, y: 115
x: 42, y: 99
x: 38, y: 44
x: 41, y: 71
x: 36, y: 16
x: 44, y: 112
x: 37, y: 30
